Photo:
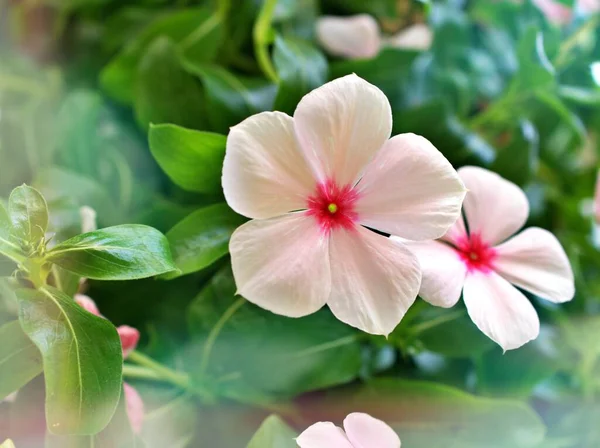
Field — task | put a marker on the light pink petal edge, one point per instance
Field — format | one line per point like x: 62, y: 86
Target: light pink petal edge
x: 323, y: 435
x: 87, y: 304
x: 365, y: 431
x: 354, y: 37
x: 415, y: 37
x: 135, y: 408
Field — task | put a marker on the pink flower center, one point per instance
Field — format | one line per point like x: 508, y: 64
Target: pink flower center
x: 332, y: 206
x: 476, y: 254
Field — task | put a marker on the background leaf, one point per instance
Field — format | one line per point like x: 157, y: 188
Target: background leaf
x: 28, y: 213
x: 274, y: 433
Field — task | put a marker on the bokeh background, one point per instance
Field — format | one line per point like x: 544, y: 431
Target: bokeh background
x: 508, y: 85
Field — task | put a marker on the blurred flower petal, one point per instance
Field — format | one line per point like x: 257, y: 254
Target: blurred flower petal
x: 87, y: 304
x: 135, y: 408
x: 365, y: 431
x: 415, y: 37
x: 129, y: 339
x: 323, y: 435
x: 555, y: 12
x: 353, y: 37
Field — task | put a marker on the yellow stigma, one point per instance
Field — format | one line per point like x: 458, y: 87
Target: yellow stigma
x: 332, y: 208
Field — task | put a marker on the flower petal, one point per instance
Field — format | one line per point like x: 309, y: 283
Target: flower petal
x: 129, y: 339
x: 374, y: 280
x: 494, y: 207
x: 415, y: 37
x: 135, y: 408
x: 410, y: 190
x: 282, y: 264
x: 323, y: 435
x: 365, y: 431
x: 87, y: 304
x: 443, y: 272
x: 340, y: 127
x: 555, y: 12
x: 352, y: 37
x: 535, y: 261
x: 264, y: 172
x: 500, y: 310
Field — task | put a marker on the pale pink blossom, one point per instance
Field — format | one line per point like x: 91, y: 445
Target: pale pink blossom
x: 129, y: 340
x: 589, y: 6
x: 359, y: 37
x: 314, y: 184
x: 360, y: 431
x: 485, y: 261
x: 555, y: 12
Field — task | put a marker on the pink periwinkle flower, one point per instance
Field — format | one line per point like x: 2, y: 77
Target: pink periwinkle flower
x: 479, y: 257
x: 359, y: 37
x: 555, y: 12
x: 315, y: 185
x: 360, y: 431
x: 129, y: 340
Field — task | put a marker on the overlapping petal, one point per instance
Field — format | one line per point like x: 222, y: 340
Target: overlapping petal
x: 323, y: 435
x: 365, y: 431
x: 410, y: 190
x: 374, y: 280
x: 264, y: 171
x: 282, y: 264
x: 443, y: 272
x: 495, y: 208
x: 352, y: 37
x: 499, y: 310
x: 535, y: 261
x: 341, y: 126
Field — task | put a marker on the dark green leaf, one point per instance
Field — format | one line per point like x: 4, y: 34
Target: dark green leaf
x: 192, y: 159
x: 274, y: 433
x: 82, y: 360
x: 268, y: 353
x: 231, y: 98
x: 518, y: 160
x: 20, y: 360
x: 301, y: 68
x: 28, y: 213
x: 123, y: 252
x: 164, y: 91
x: 196, y: 32
x: 202, y: 237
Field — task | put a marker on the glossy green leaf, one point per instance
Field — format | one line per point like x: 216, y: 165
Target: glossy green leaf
x: 28, y: 213
x: 82, y: 360
x: 164, y: 91
x: 8, y: 247
x: 231, y: 98
x: 123, y: 252
x: 301, y: 68
x: 196, y: 32
x: 20, y: 360
x: 274, y: 433
x: 437, y: 416
x: 192, y: 159
x: 202, y: 238
x: 268, y: 353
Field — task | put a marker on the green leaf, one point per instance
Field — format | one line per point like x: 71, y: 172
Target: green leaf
x: 267, y: 353
x: 192, y: 159
x: 82, y: 360
x: 123, y: 252
x: 437, y: 416
x: 518, y: 160
x: 301, y: 68
x: 274, y: 433
x: 196, y: 32
x: 202, y: 238
x: 164, y: 91
x: 231, y: 98
x: 28, y: 213
x: 20, y: 360
x: 7, y: 246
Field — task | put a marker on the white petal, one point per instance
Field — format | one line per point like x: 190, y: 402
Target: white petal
x: 352, y: 37
x: 323, y: 435
x: 500, y: 310
x: 410, y: 190
x: 340, y: 127
x: 457, y: 233
x: 416, y: 37
x: 264, y: 172
x: 365, y: 431
x: 374, y: 280
x: 282, y: 264
x: 535, y: 261
x: 494, y: 207
x: 443, y: 272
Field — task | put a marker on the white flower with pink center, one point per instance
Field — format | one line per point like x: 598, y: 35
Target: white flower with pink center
x: 479, y: 257
x: 315, y: 185
x: 360, y: 431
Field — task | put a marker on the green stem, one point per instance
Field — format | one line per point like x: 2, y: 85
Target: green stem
x: 214, y: 333
x: 262, y: 34
x: 573, y: 40
x: 435, y: 322
x: 223, y: 8
x: 141, y: 373
x: 161, y: 371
